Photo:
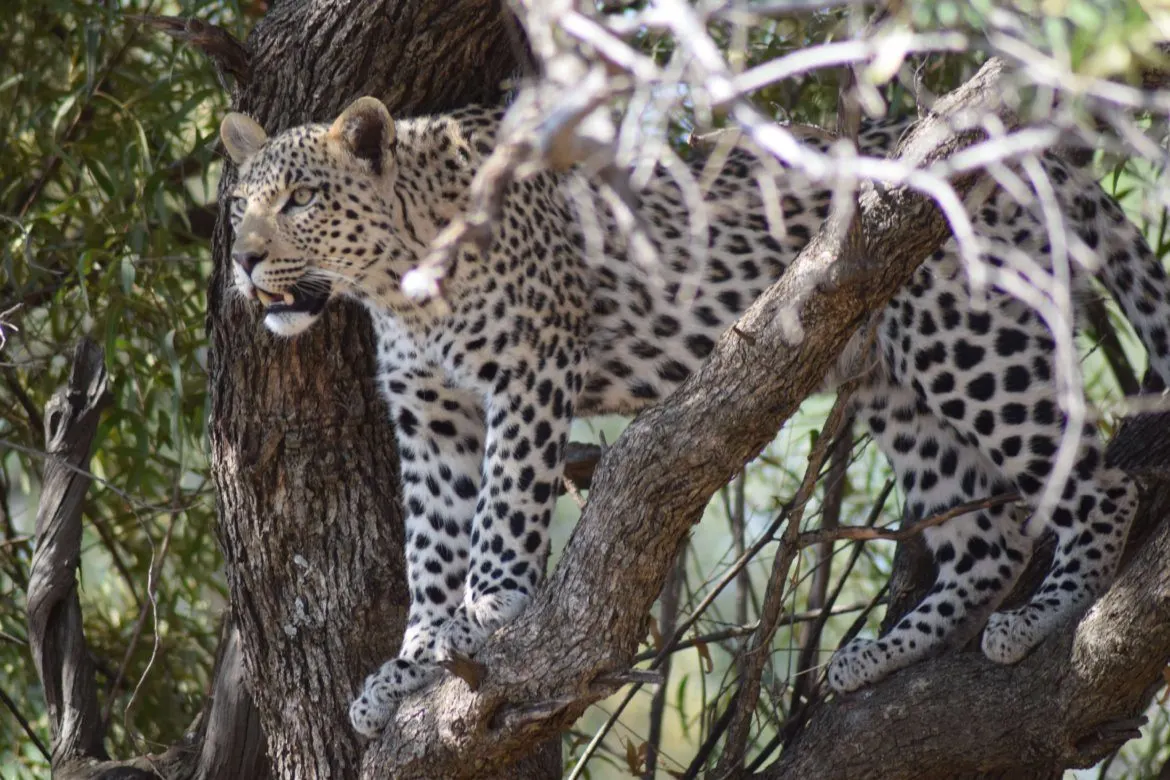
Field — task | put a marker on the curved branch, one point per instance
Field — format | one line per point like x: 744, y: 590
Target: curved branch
x: 55, y: 633
x: 228, y: 55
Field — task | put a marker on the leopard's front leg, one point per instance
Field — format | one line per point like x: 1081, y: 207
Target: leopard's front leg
x: 440, y: 433
x: 528, y: 415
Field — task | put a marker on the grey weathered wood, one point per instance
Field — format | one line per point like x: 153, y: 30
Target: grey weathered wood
x: 55, y: 633
x: 230, y: 743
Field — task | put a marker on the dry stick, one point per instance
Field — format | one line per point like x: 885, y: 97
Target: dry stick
x: 743, y: 583
x: 860, y: 533
x: 733, y: 632
x: 797, y: 719
x: 756, y: 656
x: 717, y: 730
x: 24, y: 724
x: 595, y: 743
x: 809, y: 637
x: 669, y: 614
x: 1110, y: 344
x: 143, y: 610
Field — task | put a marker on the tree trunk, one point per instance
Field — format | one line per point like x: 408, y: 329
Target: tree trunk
x: 303, y: 453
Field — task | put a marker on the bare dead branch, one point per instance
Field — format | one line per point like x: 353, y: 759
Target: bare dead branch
x: 744, y: 630
x: 228, y: 55
x: 668, y: 613
x: 808, y: 637
x: 55, y: 632
x: 1110, y: 345
x: 861, y: 533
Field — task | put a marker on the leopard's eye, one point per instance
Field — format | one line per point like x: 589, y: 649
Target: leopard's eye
x: 300, y: 197
x: 237, y: 206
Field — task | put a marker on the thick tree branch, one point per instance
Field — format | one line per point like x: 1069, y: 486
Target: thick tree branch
x: 655, y: 481
x: 1069, y: 704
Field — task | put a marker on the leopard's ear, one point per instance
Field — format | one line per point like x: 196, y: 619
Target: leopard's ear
x: 241, y: 136
x: 366, y: 131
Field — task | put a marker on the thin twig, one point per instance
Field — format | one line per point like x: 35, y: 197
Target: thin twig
x: 36, y: 423
x: 809, y: 637
x: 147, y: 608
x: 24, y: 724
x: 755, y: 656
x: 858, y: 533
x: 668, y: 614
x: 1098, y: 319
x: 743, y: 583
x: 717, y: 730
x: 733, y: 632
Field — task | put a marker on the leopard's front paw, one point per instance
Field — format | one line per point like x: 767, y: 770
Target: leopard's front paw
x: 1011, y: 635
x: 459, y: 637
x: 490, y: 611
x: 861, y: 662
x: 371, y: 710
x: 465, y: 633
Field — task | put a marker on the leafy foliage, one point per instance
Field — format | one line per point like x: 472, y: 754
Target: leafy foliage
x: 106, y: 204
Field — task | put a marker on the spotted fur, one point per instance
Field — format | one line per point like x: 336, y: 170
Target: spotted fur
x: 540, y: 330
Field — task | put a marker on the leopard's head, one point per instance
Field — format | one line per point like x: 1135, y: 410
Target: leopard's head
x: 310, y: 211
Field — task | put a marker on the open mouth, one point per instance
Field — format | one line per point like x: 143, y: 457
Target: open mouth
x: 295, y: 299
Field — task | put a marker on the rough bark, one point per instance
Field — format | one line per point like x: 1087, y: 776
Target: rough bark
x: 303, y: 454
x: 568, y: 648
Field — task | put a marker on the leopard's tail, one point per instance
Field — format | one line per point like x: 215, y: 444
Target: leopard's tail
x: 1133, y: 276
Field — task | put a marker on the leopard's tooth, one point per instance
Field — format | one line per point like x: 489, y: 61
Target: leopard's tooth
x: 289, y: 298
x: 265, y: 297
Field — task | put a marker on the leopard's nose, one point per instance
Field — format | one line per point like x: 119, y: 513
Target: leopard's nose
x: 248, y: 259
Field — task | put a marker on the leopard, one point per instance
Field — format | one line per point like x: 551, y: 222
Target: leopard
x: 559, y: 319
